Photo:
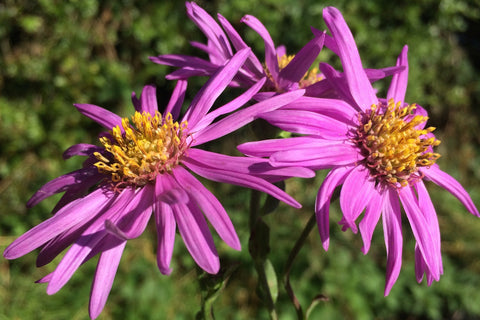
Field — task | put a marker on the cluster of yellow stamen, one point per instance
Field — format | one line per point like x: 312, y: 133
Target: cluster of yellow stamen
x: 148, y: 146
x: 310, y: 77
x: 393, y: 144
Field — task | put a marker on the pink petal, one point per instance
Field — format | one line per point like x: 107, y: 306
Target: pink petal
x: 81, y: 149
x: 333, y: 108
x: 252, y: 64
x: 392, y: 231
x: 370, y: 220
x: 398, y: 86
x: 307, y: 122
x: 357, y: 190
x: 207, y: 95
x: 322, y: 203
x: 76, y: 212
x: 422, y: 231
x: 240, y: 179
x: 210, y: 206
x: 245, y: 116
x: 87, y: 175
x: 103, y: 280
x: 197, y: 238
x: 300, y: 64
x: 149, y: 100
x: 229, y: 107
x: 444, y: 180
x: 320, y: 156
x: 210, y: 28
x: 174, y: 106
x: 105, y: 118
x: 271, y: 59
x: 266, y: 148
x: 360, y: 86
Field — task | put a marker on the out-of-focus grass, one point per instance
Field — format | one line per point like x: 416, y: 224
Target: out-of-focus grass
x: 54, y: 54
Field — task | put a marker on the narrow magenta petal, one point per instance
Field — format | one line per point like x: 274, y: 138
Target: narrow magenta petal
x: 103, y: 280
x: 245, y: 116
x: 319, y: 156
x: 105, y: 118
x: 370, y: 220
x: 207, y: 95
x: 185, y: 73
x: 259, y: 167
x: 227, y: 108
x: 444, y: 180
x: 358, y: 82
x: 174, y: 106
x: 166, y: 226
x: 87, y: 175
x: 81, y: 149
x: 392, y: 231
x: 322, y: 202
x: 76, y: 212
x: 307, y: 122
x: 266, y: 148
x: 357, y: 190
x: 252, y: 64
x: 271, y: 59
x: 422, y: 231
x: 74, y: 257
x: 420, y: 266
x: 398, y: 86
x: 210, y: 206
x: 184, y: 61
x: 338, y: 83
x: 45, y: 279
x: 300, y: 64
x: 197, y: 238
x: 333, y: 108
x: 240, y: 179
x: 93, y: 236
x: 135, y: 218
x: 426, y: 207
x: 210, y: 28
x: 148, y: 100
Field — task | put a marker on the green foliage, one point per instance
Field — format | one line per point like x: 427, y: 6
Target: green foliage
x: 56, y: 53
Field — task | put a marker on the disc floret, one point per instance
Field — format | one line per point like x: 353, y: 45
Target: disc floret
x: 394, y: 143
x: 142, y: 148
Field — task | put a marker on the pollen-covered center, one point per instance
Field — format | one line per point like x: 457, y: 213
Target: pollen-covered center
x: 310, y: 77
x: 393, y: 145
x: 141, y: 149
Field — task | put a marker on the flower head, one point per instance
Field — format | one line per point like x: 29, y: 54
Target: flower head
x: 283, y: 72
x: 378, y: 150
x: 142, y: 167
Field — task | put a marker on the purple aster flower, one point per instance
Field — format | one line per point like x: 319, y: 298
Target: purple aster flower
x: 283, y: 72
x: 379, y: 150
x: 143, y: 167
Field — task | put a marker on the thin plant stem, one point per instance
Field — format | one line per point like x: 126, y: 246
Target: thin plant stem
x: 259, y: 247
x: 291, y: 258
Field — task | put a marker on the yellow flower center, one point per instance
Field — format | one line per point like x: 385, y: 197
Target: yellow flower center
x: 147, y: 147
x: 393, y: 146
x: 311, y: 76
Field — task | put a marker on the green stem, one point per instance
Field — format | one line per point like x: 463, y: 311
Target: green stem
x: 291, y: 258
x: 259, y: 248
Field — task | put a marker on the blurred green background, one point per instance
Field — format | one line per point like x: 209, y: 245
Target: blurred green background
x: 56, y: 53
